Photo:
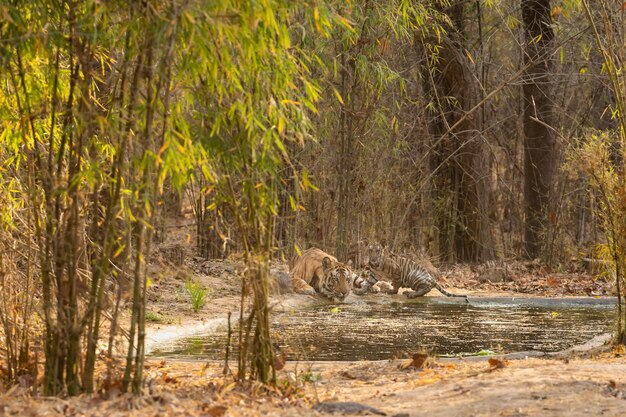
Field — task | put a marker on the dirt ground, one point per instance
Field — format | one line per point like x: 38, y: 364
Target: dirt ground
x: 589, y: 381
x: 591, y: 386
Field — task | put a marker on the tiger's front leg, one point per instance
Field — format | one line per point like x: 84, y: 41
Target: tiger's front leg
x: 417, y: 293
x: 301, y: 287
x: 384, y: 286
x: 394, y: 289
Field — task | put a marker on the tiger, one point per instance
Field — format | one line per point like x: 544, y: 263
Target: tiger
x: 367, y: 283
x: 362, y: 284
x: 403, y: 272
x: 314, y: 271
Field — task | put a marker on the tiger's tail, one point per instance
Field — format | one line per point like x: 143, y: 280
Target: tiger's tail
x: 449, y: 294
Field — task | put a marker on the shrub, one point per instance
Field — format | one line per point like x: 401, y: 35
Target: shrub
x: 197, y: 292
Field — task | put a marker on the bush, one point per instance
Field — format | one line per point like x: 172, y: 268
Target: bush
x: 602, y: 160
x: 197, y: 292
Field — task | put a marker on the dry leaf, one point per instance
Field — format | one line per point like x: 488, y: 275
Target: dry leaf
x: 228, y: 388
x: 216, y: 411
x: 406, y: 363
x: 419, y: 359
x: 347, y: 375
x: 496, y: 363
x: 552, y: 282
x: 279, y: 361
x: 417, y: 362
x: 171, y: 380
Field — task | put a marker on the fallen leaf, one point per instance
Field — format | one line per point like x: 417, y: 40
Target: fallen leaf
x: 347, y: 375
x: 419, y: 359
x: 496, y: 363
x: 406, y: 364
x: 552, y: 282
x: 228, y: 387
x: 168, y: 379
x: 279, y: 360
x: 216, y: 411
x: 416, y: 362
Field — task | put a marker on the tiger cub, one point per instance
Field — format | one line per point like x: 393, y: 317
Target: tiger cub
x: 368, y: 283
x: 315, y: 271
x: 403, y: 273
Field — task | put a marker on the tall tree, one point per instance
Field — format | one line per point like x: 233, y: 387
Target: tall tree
x: 539, y: 139
x: 454, y: 159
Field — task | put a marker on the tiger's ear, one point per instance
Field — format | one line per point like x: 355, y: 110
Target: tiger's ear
x: 349, y: 263
x: 326, y: 262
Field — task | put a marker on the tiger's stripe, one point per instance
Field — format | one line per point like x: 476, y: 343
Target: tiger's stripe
x: 315, y: 271
x: 404, y: 273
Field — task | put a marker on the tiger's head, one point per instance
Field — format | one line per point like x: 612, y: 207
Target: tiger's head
x: 375, y: 255
x: 337, y: 280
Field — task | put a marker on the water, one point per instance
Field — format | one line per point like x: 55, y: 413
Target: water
x: 382, y: 330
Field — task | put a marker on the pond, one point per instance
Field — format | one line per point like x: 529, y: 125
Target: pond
x: 377, y: 329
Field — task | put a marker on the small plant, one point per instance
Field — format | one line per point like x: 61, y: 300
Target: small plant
x: 153, y: 317
x: 309, y: 376
x: 197, y: 292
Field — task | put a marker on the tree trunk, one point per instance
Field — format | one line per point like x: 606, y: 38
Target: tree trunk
x: 345, y: 161
x: 539, y: 144
x: 455, y: 155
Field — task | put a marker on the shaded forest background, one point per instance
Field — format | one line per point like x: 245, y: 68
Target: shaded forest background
x: 465, y: 130
x: 425, y: 149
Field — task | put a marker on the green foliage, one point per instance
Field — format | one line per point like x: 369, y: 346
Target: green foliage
x: 597, y: 158
x: 251, y: 94
x: 197, y: 292
x: 101, y: 103
x: 310, y: 376
x: 153, y: 317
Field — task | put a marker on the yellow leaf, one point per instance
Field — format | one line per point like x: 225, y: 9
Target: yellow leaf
x: 189, y: 17
x: 118, y: 251
x: 337, y: 95
x: 229, y: 387
x: 163, y: 148
x: 316, y: 18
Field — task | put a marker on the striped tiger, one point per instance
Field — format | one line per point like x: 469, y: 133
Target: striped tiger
x: 315, y: 271
x: 362, y: 284
x: 366, y: 283
x: 403, y: 273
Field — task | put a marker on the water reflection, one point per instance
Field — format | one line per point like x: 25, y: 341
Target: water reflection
x: 375, y: 330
